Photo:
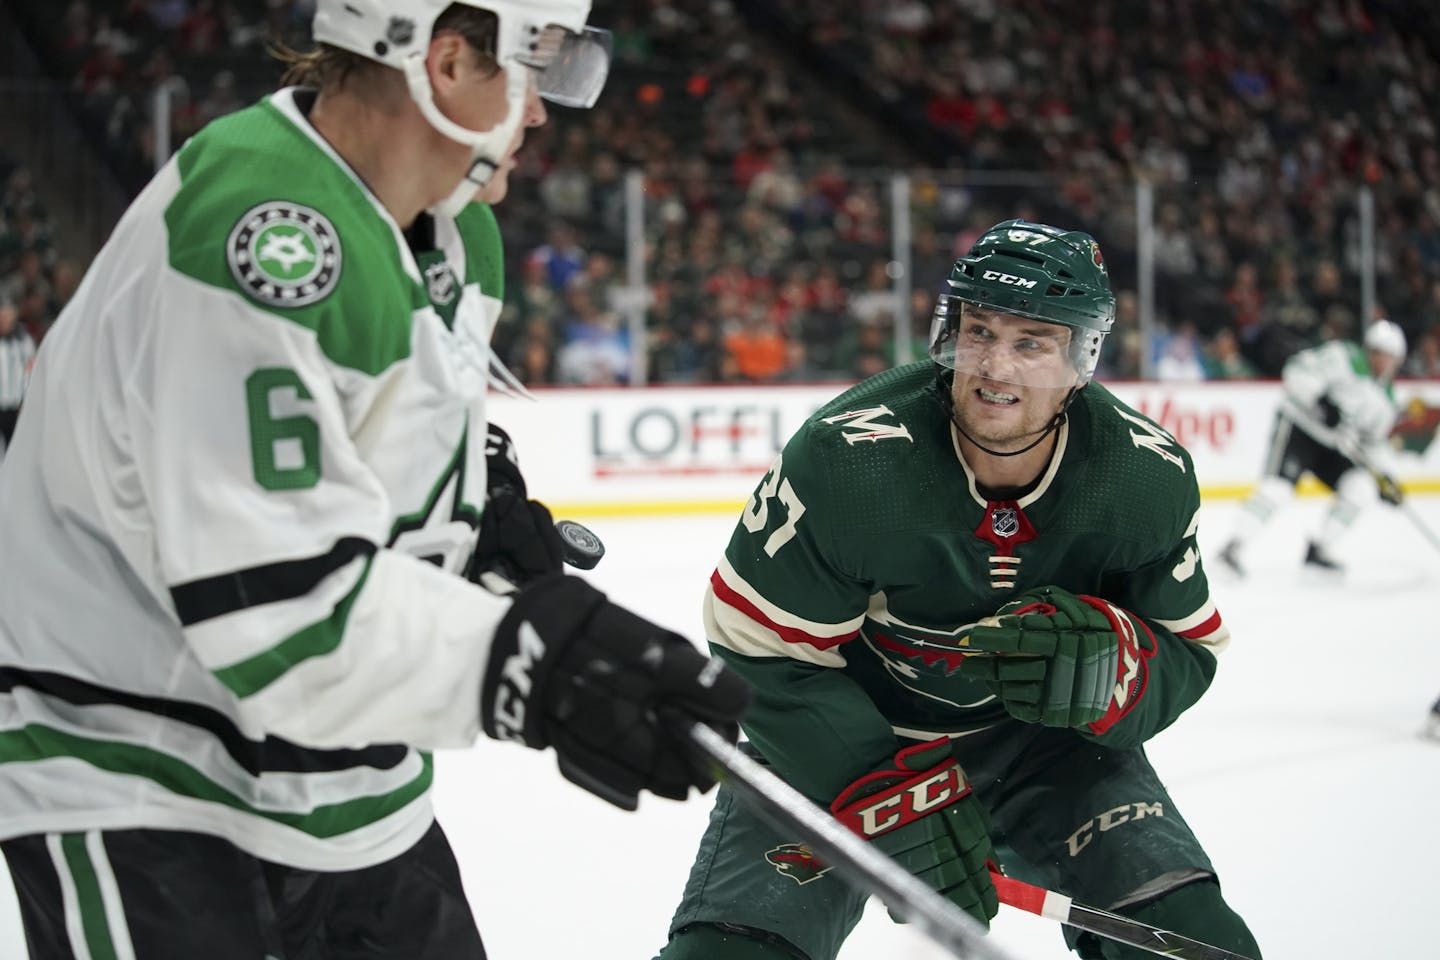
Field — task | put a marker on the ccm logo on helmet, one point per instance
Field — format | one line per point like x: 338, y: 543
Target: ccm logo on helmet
x: 1009, y: 278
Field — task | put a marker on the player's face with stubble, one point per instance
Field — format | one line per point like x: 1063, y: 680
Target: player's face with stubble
x: 1012, y: 379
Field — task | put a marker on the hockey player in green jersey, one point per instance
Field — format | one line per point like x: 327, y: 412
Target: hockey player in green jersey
x: 966, y: 593
x: 250, y: 474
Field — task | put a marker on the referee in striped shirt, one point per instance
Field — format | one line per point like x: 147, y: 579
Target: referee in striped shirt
x: 17, y: 351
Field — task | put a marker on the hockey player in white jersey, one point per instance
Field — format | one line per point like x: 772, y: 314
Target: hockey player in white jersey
x: 243, y: 494
x: 1431, y: 730
x: 1334, y: 423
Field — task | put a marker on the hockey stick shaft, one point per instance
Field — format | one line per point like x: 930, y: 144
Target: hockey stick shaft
x: 1339, y: 442
x: 859, y: 863
x: 1057, y: 906
x: 1419, y: 524
x: 1329, y: 436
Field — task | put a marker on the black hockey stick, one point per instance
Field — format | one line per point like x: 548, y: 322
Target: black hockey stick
x: 1111, y: 926
x: 1419, y: 524
x: 861, y: 864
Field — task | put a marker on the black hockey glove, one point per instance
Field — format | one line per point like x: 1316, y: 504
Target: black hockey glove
x: 517, y: 535
x: 571, y: 670
x: 1390, y: 490
x: 1329, y: 411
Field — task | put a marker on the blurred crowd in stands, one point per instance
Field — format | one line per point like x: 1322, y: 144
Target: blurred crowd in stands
x: 34, y: 281
x: 767, y: 135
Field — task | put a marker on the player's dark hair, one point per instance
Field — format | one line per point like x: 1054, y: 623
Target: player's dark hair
x: 328, y: 67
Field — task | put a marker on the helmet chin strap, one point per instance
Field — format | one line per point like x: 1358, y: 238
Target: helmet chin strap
x: 481, y: 170
x: 487, y: 147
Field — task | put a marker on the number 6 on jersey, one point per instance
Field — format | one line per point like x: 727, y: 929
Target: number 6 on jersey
x: 758, y: 512
x: 284, y: 450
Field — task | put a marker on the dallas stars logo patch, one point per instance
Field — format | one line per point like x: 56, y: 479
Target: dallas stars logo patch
x: 284, y: 254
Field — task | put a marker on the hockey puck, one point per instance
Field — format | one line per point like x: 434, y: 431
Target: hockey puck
x: 583, y: 549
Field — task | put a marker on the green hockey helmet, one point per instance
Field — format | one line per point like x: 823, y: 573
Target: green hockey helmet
x: 1036, y: 272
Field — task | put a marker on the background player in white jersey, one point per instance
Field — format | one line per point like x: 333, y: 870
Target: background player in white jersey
x: 1334, y: 423
x: 993, y: 501
x: 249, y: 475
x: 17, y: 352
x: 1431, y: 730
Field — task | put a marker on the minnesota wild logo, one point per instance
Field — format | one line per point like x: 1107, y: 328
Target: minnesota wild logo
x: 284, y: 254
x: 796, y: 861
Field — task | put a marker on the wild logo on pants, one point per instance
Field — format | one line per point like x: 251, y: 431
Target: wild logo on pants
x: 796, y: 861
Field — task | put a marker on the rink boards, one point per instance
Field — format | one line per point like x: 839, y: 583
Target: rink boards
x: 675, y: 450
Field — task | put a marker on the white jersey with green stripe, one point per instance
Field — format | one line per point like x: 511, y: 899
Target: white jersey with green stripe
x: 248, y: 474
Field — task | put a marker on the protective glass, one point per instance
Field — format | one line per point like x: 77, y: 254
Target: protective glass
x: 570, y: 68
x: 1004, y: 347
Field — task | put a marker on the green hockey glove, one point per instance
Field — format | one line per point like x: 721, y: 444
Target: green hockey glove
x: 923, y: 815
x: 1390, y: 490
x: 1062, y: 660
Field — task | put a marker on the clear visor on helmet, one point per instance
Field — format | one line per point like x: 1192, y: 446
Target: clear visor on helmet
x: 570, y: 68
x: 1009, y: 348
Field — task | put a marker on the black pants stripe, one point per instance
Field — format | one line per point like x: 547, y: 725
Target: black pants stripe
x: 161, y: 895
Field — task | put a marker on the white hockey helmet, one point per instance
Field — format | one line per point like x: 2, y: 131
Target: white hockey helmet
x: 1385, y: 336
x: 540, y: 41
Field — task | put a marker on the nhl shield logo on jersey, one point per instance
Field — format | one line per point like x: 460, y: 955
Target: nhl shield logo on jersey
x: 284, y: 254
x: 440, y: 282
x: 1005, y: 521
x: 1006, y: 526
x: 796, y: 861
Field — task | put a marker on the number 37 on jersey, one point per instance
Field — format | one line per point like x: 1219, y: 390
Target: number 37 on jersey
x: 774, y: 492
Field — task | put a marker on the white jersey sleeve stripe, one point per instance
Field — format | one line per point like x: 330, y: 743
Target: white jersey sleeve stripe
x: 255, y: 673
x: 377, y: 685
x: 1204, y: 626
x: 728, y: 581
x: 201, y: 600
x: 739, y: 619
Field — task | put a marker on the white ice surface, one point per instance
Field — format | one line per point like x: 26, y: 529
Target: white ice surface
x: 1300, y: 770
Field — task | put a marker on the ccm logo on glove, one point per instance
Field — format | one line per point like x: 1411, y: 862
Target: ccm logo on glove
x: 945, y: 785
x: 921, y: 812
x: 516, y: 679
x: 889, y: 799
x: 613, y: 693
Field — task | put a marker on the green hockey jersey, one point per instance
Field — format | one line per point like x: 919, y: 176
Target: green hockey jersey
x: 867, y: 552
x: 256, y: 422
